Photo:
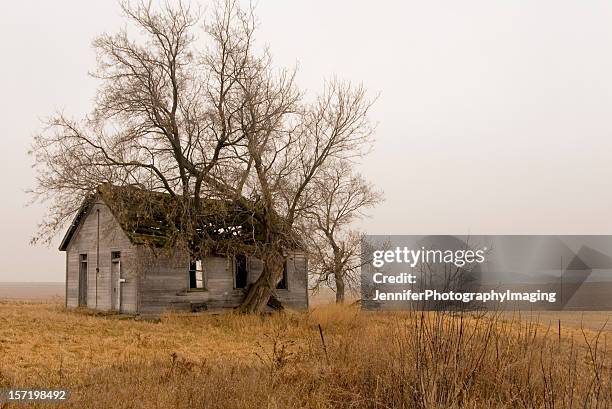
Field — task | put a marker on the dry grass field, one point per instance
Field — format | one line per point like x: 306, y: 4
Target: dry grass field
x: 363, y: 360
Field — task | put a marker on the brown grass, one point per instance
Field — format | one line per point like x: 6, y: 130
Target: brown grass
x: 367, y: 360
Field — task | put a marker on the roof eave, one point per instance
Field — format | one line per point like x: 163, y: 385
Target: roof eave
x: 75, y: 224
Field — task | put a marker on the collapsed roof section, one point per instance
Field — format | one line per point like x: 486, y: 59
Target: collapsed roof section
x: 158, y: 219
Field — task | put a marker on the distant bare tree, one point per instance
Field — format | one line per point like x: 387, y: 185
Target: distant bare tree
x: 198, y: 119
x: 335, y: 246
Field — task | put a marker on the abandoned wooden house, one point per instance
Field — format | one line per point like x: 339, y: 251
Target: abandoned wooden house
x: 116, y: 260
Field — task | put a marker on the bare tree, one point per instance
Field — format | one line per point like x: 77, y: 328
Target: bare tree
x: 335, y: 247
x: 198, y: 119
x: 164, y: 118
x: 286, y: 152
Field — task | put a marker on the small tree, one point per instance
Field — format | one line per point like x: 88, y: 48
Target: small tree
x: 335, y: 247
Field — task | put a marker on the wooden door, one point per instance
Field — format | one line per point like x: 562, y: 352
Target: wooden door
x: 115, y: 286
x: 116, y: 296
x: 82, y: 280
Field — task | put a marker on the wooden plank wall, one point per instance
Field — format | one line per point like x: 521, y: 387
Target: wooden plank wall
x: 165, y: 283
x: 155, y: 282
x: 112, y: 238
x: 163, y: 276
x: 296, y: 294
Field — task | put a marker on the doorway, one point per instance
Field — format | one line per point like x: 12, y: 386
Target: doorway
x: 82, y: 280
x: 240, y: 271
x: 116, y: 281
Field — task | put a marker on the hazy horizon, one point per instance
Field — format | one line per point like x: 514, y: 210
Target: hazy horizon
x: 493, y: 117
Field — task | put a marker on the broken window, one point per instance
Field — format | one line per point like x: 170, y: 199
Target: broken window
x: 282, y: 284
x: 115, y: 256
x: 196, y: 274
x: 240, y: 271
x: 83, y: 259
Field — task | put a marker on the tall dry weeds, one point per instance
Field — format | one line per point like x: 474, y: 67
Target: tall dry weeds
x: 355, y: 360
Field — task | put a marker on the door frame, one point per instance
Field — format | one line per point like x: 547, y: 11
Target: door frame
x: 83, y: 273
x: 116, y: 281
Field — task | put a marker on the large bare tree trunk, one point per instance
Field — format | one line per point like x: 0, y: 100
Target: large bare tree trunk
x: 260, y: 291
x: 340, y: 287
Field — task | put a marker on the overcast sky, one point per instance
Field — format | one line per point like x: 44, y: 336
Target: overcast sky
x: 494, y: 117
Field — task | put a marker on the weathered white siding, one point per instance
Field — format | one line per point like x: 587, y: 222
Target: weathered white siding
x: 112, y: 238
x: 296, y: 294
x: 157, y: 280
x: 163, y: 275
x: 165, y: 283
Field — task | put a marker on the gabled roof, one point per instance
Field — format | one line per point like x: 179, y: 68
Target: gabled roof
x: 153, y: 218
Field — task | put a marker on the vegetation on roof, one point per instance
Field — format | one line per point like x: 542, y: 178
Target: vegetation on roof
x: 156, y: 218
